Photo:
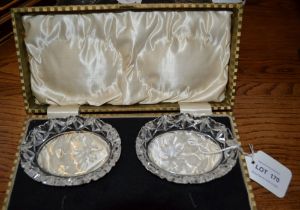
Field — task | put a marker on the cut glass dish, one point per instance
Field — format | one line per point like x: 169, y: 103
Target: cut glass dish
x: 70, y: 151
x: 186, y: 149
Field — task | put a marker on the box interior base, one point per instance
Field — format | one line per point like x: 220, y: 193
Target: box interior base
x: 130, y: 186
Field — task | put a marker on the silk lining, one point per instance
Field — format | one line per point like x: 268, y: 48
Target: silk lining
x: 128, y: 57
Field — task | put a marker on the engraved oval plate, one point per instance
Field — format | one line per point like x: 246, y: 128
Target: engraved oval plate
x: 73, y: 154
x: 186, y: 149
x: 70, y: 151
x: 184, y: 152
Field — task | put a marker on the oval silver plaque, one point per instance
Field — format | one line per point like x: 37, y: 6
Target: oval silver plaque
x: 70, y: 151
x: 73, y: 154
x: 186, y: 149
x: 184, y: 152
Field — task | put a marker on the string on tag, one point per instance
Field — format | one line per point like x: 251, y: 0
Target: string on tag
x: 232, y: 147
x: 236, y: 146
x: 252, y: 152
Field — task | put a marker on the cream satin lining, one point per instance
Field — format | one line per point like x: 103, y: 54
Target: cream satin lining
x: 128, y: 57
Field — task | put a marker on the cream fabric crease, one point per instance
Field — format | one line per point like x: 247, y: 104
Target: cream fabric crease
x: 184, y: 152
x: 73, y: 154
x: 128, y: 57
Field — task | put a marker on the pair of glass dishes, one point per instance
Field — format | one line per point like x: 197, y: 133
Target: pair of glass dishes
x: 180, y: 148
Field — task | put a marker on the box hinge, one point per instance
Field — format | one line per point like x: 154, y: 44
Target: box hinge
x: 54, y: 111
x: 195, y: 108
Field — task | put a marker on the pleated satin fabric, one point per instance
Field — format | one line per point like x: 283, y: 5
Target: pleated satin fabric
x: 128, y: 57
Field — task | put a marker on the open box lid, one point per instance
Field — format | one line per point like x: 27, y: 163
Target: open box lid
x: 34, y: 107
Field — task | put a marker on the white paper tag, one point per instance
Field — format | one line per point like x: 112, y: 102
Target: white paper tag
x: 269, y: 173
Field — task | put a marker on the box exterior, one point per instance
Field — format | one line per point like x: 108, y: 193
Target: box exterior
x: 36, y: 111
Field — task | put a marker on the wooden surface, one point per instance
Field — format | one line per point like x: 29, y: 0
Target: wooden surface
x: 267, y: 102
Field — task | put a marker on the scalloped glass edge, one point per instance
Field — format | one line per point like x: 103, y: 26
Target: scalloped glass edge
x: 39, y: 136
x: 202, y: 124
